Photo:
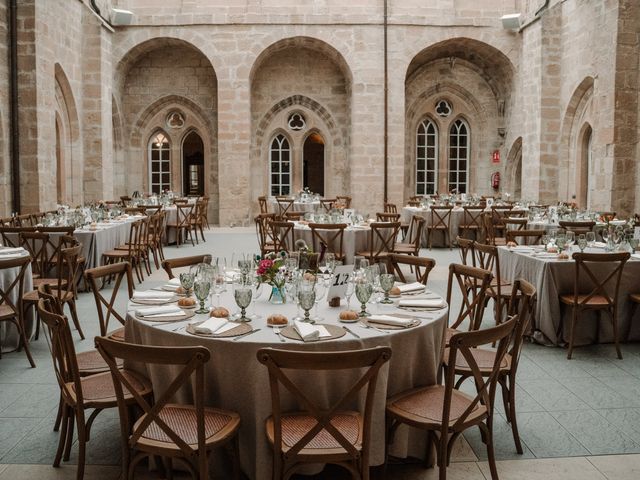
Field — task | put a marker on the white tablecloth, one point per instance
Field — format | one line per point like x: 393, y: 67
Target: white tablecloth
x: 9, y: 338
x: 355, y: 239
x: 235, y: 380
x: 297, y: 206
x: 107, y: 237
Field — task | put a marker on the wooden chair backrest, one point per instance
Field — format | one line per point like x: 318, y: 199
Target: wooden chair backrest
x: 284, y: 205
x: 463, y: 344
x: 263, y: 229
x: 387, y: 217
x: 414, y: 233
x: 577, y: 227
x: 63, y: 352
x: 327, y: 203
x: 467, y: 250
x: 170, y: 263
x: 329, y: 234
x: 184, y: 214
x: 15, y: 287
x: 282, y: 235
x: 472, y: 283
x: 513, y: 213
x: 277, y: 361
x: 344, y: 200
x: 600, y: 282
x: 36, y: 244
x: 11, y: 235
x: 68, y: 269
x: 390, y: 208
x: 105, y: 307
x: 527, y: 237
x: 472, y: 216
x: 489, y: 228
x: 293, y: 216
x: 440, y: 217
x: 608, y: 216
x: 188, y: 362
x: 413, y: 203
x: 262, y: 203
x: 395, y: 260
x: 515, y: 223
x: 499, y: 213
x: 382, y: 238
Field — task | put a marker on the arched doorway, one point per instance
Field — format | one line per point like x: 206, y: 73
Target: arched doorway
x: 584, y: 161
x: 60, y: 174
x: 192, y: 165
x: 313, y: 163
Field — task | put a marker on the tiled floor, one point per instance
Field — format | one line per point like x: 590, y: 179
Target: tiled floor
x: 577, y: 418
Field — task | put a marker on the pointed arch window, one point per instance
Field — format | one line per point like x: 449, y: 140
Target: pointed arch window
x: 159, y: 163
x: 280, y: 166
x: 426, y: 158
x: 459, y: 156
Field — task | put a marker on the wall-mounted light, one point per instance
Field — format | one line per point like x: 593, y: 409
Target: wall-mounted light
x: 511, y: 21
x: 121, y: 17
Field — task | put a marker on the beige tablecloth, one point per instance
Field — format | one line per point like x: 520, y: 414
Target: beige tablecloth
x: 9, y: 338
x: 298, y: 206
x: 235, y: 380
x: 553, y: 278
x: 355, y: 239
x: 107, y: 237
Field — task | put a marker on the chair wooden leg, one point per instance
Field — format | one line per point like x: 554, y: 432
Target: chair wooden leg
x: 56, y: 426
x: 574, y: 318
x: 24, y: 342
x: 614, y: 322
x: 69, y: 436
x: 490, y: 452
x: 74, y: 316
x: 62, y: 441
x: 512, y: 415
x: 82, y: 446
x: 442, y: 455
x: 236, y: 457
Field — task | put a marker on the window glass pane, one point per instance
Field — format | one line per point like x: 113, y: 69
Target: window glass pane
x: 426, y: 156
x: 155, y: 178
x: 280, y: 155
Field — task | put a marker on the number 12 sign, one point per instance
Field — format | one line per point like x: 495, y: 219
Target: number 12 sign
x: 341, y: 276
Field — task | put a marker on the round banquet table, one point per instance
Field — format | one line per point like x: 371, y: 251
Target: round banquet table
x: 298, y: 206
x: 457, y: 216
x: 355, y: 239
x: 235, y: 380
x: 9, y: 338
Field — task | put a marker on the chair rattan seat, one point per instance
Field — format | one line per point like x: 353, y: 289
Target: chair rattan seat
x: 296, y: 425
x: 182, y: 420
x: 6, y: 311
x: 484, y: 359
x: 424, y: 405
x: 98, y: 389
x: 91, y: 362
x: 595, y: 300
x: 117, y: 334
x: 49, y: 281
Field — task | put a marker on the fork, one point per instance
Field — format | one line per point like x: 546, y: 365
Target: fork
x: 276, y: 330
x: 362, y: 324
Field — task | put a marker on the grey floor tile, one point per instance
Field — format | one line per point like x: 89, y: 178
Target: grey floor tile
x: 38, y: 401
x: 545, y: 469
x: 65, y: 472
x: 545, y: 437
x: 524, y: 402
x: 597, y: 394
x: 502, y: 441
x: 38, y: 446
x: 552, y: 395
x: 10, y: 392
x: 626, y: 419
x: 618, y: 467
x: 594, y: 432
x: 13, y: 430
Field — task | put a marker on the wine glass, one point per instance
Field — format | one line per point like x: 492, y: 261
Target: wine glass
x: 591, y: 239
x: 186, y: 282
x: 257, y: 286
x: 330, y: 262
x: 387, y: 280
x: 201, y: 289
x: 307, y: 298
x: 321, y: 291
x: 582, y: 242
x: 219, y: 285
x: 570, y: 239
x: 605, y: 234
x: 545, y: 241
x: 207, y: 259
x: 242, y: 293
x: 291, y: 291
x: 350, y: 290
x: 364, y: 289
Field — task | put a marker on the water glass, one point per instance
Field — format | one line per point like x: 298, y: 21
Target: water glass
x: 351, y: 288
x: 201, y: 289
x: 307, y: 298
x: 570, y: 239
x: 363, y: 293
x: 242, y: 294
x: 186, y: 282
x: 591, y: 239
x: 387, y: 280
x: 582, y: 242
x: 321, y: 291
x: 545, y: 241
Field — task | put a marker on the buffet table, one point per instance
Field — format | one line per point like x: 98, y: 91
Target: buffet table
x: 552, y: 278
x: 235, y: 380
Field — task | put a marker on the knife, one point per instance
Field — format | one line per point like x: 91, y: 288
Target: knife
x: 238, y: 337
x: 351, y: 332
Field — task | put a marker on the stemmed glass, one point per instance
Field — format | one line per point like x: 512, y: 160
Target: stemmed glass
x: 591, y: 239
x: 570, y: 239
x: 321, y: 290
x: 201, y: 289
x: 219, y: 285
x: 582, y: 242
x: 364, y: 289
x: 291, y: 290
x: 545, y: 241
x: 351, y: 288
x: 560, y: 242
x: 307, y: 298
x: 330, y: 263
x: 242, y: 293
x: 257, y: 286
x: 186, y: 282
x: 387, y: 281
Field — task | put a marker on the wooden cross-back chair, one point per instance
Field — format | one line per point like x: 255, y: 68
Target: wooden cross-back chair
x: 97, y: 277
x: 472, y: 283
x: 523, y: 302
x: 490, y: 231
x: 498, y: 215
x: 525, y: 237
x: 262, y: 203
x: 284, y: 205
x: 188, y: 433
x: 170, y: 263
x: 577, y: 227
x: 416, y: 198
x: 390, y: 208
x: 79, y: 393
x: 413, y: 203
x: 264, y: 233
x: 440, y: 221
x: 182, y: 224
x: 387, y: 217
x: 150, y: 209
x: 331, y: 235
x: 294, y: 216
x: 130, y: 253
x: 381, y: 241
x: 35, y: 243
x: 344, y: 200
x: 11, y: 294
x: 11, y: 235
x: 602, y: 293
x: 282, y: 231
x: 445, y: 412
x: 471, y: 222
x: 499, y: 290
x: 511, y: 224
x: 327, y: 204
x: 24, y: 220
x: 156, y: 236
x: 414, y: 236
x: 199, y: 218
x: 141, y: 247
x: 395, y: 262
x: 321, y: 433
x: 467, y: 253
x: 517, y: 213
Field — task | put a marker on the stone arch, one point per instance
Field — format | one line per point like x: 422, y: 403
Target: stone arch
x: 513, y: 177
x: 578, y: 112
x: 308, y: 75
x: 70, y: 146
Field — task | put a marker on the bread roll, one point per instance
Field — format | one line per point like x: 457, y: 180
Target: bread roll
x: 348, y: 315
x: 395, y: 291
x: 277, y: 319
x: 186, y: 302
x: 219, y: 312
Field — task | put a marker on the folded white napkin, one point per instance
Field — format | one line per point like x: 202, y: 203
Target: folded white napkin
x: 152, y: 295
x: 214, y: 326
x: 389, y: 320
x: 411, y: 287
x: 546, y: 255
x: 162, y: 311
x: 635, y: 255
x: 423, y: 302
x: 174, y: 281
x: 310, y: 333
x: 11, y: 250
x: 599, y: 244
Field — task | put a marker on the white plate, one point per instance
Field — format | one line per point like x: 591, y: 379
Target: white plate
x: 280, y: 325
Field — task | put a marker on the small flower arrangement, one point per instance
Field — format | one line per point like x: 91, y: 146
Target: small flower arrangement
x: 271, y: 270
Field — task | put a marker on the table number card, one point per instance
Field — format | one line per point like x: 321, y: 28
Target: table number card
x: 338, y: 287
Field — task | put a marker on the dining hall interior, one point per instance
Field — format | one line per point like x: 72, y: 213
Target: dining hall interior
x: 277, y: 239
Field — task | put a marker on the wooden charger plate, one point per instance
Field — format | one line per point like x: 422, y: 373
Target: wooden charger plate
x: 240, y: 329
x: 187, y: 314
x: 154, y: 301
x: 336, y: 331
x: 382, y: 326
